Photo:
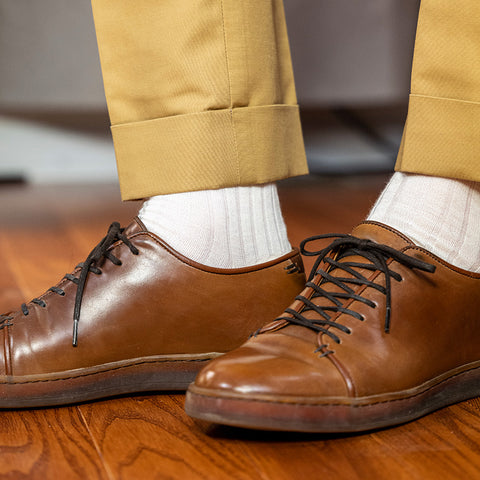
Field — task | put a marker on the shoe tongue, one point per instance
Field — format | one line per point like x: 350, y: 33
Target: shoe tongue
x: 375, y: 232
x: 135, y: 227
x: 380, y: 233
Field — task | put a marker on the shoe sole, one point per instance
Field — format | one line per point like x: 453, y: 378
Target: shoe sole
x: 341, y: 415
x: 148, y: 374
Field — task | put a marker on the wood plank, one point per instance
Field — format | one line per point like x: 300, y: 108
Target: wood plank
x: 49, y: 231
x: 11, y: 295
x: 52, y: 229
x: 34, y: 253
x: 152, y: 437
x: 161, y: 441
x: 442, y: 445
x: 46, y: 444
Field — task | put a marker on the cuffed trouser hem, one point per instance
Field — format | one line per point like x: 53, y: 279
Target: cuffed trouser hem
x: 441, y: 138
x: 209, y: 150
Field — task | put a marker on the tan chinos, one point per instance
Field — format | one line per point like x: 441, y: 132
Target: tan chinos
x: 201, y: 93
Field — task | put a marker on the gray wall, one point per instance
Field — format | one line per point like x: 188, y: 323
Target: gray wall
x: 346, y: 52
x: 48, y: 56
x: 352, y: 52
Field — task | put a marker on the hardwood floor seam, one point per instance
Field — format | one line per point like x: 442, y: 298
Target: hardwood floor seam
x: 95, y: 444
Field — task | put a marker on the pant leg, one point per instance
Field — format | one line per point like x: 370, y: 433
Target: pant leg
x: 442, y: 132
x: 200, y: 93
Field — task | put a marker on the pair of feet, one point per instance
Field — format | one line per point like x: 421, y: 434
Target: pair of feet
x: 381, y: 333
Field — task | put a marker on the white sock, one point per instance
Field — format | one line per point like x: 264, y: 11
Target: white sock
x: 227, y: 228
x: 439, y: 214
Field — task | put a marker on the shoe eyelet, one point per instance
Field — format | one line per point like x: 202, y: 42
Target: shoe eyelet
x: 62, y: 293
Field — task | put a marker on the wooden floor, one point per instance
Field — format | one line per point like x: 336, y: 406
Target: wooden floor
x: 46, y: 231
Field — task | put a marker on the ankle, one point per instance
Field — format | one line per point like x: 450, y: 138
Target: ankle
x: 226, y: 228
x: 439, y: 214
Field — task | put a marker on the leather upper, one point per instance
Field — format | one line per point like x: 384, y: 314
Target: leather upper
x: 154, y: 303
x: 434, y: 333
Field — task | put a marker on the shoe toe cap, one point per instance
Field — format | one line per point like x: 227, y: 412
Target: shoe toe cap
x: 273, y: 365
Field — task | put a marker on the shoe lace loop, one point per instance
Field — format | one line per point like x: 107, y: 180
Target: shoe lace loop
x: 115, y: 233
x: 341, y: 247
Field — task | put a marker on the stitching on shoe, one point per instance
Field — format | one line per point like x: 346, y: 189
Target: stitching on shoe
x: 7, y: 351
x: 342, y: 369
x: 334, y: 404
x: 103, y: 371
x: 464, y: 273
x: 412, y: 246
x: 387, y: 227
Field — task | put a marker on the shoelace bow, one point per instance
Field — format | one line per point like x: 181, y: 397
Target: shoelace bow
x: 114, y: 234
x: 346, y: 246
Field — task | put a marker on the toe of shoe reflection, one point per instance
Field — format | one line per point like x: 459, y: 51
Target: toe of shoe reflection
x: 254, y: 370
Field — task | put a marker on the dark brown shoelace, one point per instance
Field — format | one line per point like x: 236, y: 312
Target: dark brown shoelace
x: 335, y: 256
x: 114, y: 234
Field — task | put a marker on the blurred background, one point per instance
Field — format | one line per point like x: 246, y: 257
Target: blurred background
x: 352, y: 61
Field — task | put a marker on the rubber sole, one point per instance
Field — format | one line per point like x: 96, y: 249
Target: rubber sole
x: 148, y: 374
x: 339, y: 416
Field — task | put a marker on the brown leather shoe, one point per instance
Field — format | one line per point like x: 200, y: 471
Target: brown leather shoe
x: 384, y: 332
x: 141, y: 317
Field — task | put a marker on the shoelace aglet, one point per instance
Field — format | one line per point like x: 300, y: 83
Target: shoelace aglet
x: 387, y: 319
x: 75, y: 332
